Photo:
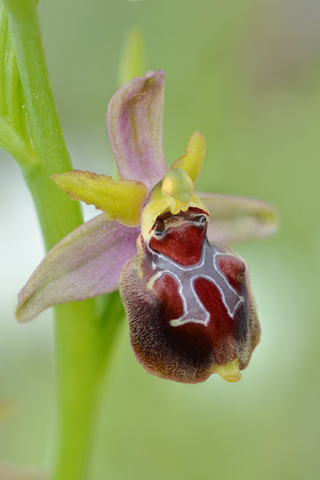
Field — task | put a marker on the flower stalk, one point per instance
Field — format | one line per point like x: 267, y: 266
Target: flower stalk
x: 84, y: 349
x: 47, y: 149
x: 82, y: 346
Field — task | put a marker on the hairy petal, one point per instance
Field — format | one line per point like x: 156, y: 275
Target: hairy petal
x: 134, y: 120
x: 189, y: 305
x: 120, y: 200
x: 86, y: 263
x: 236, y: 219
x: 193, y: 158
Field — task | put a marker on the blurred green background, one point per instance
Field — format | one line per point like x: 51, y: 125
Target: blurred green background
x: 247, y: 75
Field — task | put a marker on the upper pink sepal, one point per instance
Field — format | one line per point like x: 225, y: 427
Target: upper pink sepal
x: 134, y: 120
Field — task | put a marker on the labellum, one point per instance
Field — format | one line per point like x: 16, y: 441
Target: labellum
x: 189, y: 304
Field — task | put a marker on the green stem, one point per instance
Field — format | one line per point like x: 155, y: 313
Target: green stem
x: 80, y: 333
x: 3, y: 43
x: 79, y: 374
x: 82, y: 354
x: 81, y: 371
x: 57, y: 215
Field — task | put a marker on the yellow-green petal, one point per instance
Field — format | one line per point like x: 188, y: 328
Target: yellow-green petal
x: 193, y: 158
x: 120, y: 200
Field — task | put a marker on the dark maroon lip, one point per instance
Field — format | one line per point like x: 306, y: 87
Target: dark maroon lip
x: 191, y: 310
x: 182, y: 244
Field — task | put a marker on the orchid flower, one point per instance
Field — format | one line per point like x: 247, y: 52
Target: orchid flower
x: 186, y: 293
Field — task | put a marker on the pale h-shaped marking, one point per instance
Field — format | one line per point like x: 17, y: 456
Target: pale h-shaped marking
x: 193, y: 309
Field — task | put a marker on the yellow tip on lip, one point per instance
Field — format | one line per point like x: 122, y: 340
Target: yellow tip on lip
x: 229, y: 372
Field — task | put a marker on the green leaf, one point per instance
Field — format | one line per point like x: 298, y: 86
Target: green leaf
x: 14, y: 136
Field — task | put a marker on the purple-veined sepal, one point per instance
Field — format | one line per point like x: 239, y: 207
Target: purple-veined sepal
x: 134, y: 120
x: 86, y: 263
x: 236, y: 219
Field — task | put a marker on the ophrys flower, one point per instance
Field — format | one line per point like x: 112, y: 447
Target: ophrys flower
x: 188, y: 301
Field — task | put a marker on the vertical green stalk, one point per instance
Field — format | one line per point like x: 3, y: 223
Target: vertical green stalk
x: 79, y: 364
x: 57, y: 215
x: 80, y: 339
x: 82, y: 369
